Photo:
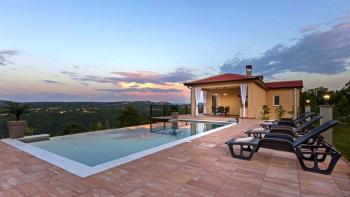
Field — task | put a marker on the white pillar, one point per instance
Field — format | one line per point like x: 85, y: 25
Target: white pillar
x: 193, y: 102
x: 326, y: 111
x: 307, y: 109
x: 204, y: 94
x: 295, y: 104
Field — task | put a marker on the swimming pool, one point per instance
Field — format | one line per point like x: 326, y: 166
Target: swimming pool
x: 87, y: 153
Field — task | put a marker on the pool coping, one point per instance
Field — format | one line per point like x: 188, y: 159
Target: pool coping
x: 83, y: 170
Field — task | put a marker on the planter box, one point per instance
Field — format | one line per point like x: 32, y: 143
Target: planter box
x: 174, y: 115
x: 16, y: 128
x: 35, y: 138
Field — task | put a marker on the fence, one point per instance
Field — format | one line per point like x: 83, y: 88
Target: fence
x: 166, y: 110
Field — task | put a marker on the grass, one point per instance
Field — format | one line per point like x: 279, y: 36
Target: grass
x: 341, y: 139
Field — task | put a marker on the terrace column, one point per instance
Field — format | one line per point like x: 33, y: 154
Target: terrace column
x: 307, y: 109
x: 326, y: 111
x: 295, y: 105
x: 193, y: 102
x: 204, y: 94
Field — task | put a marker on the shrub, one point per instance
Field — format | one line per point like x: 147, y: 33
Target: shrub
x: 280, y: 112
x: 29, y: 131
x: 264, y: 114
x: 129, y: 116
x: 98, y: 126
x: 72, y: 128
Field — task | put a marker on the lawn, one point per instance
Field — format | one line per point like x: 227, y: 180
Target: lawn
x: 341, y: 139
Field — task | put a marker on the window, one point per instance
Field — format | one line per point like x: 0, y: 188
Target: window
x: 276, y: 100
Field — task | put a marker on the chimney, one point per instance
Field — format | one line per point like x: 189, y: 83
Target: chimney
x: 249, y: 70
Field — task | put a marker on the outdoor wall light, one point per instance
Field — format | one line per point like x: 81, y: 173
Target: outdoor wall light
x: 326, y: 98
x: 308, y: 101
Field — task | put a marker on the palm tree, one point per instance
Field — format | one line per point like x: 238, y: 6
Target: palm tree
x: 16, y: 109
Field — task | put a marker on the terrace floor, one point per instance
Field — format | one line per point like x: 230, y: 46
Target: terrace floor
x: 202, y: 167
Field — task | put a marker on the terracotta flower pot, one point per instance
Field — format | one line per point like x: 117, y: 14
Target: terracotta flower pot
x: 16, y: 128
x: 174, y: 115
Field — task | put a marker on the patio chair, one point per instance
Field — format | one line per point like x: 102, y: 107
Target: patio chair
x: 314, y: 153
x: 214, y: 110
x: 227, y: 110
x: 221, y: 110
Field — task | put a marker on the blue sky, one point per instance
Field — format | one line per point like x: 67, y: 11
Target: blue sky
x: 65, y: 50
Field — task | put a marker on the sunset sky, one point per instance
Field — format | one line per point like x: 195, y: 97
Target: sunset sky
x: 144, y: 50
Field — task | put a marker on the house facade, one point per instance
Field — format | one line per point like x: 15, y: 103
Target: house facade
x: 231, y: 90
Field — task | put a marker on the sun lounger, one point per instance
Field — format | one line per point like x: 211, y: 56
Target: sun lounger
x: 288, y: 121
x: 295, y: 122
x: 294, y: 132
x: 305, y: 153
x: 300, y: 117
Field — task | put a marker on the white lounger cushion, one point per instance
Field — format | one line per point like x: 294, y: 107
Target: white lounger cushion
x: 244, y: 139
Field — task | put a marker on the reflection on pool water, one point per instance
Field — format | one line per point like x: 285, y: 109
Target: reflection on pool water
x: 95, y: 148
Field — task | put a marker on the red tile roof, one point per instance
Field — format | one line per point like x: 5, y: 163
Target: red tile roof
x: 285, y: 84
x: 222, y: 78
x: 228, y: 77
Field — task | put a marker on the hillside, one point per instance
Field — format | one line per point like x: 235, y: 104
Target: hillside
x: 56, y: 117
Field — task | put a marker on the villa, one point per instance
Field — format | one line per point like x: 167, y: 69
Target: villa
x: 227, y: 90
x: 188, y: 155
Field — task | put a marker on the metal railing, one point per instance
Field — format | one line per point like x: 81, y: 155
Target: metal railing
x: 168, y: 109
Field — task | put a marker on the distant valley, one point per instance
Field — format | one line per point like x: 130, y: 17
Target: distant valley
x: 60, y: 118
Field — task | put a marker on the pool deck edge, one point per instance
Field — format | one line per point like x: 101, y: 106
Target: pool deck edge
x: 82, y: 170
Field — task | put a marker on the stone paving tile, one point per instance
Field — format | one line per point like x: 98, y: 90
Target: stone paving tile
x: 207, y: 180
x: 11, y: 193
x: 233, y: 187
x: 146, y: 191
x: 202, y: 167
x: 249, y: 176
x: 183, y: 174
x: 317, y: 184
x: 165, y: 185
x: 98, y: 192
x: 279, y: 187
x: 192, y: 191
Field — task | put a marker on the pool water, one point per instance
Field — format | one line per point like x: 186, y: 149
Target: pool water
x: 95, y: 148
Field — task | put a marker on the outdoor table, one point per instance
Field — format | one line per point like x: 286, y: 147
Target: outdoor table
x: 251, y: 148
x: 257, y: 132
x: 268, y: 124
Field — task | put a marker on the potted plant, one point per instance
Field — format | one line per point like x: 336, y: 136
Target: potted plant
x: 279, y: 110
x: 18, y: 127
x: 265, y: 112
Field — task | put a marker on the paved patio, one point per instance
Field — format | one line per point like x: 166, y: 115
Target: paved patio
x: 203, y: 167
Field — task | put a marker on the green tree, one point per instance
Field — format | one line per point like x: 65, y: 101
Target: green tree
x: 315, y: 96
x: 280, y: 111
x: 16, y: 109
x: 339, y: 98
x: 73, y: 127
x: 342, y: 106
x: 129, y: 116
x: 264, y: 114
x: 98, y: 126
